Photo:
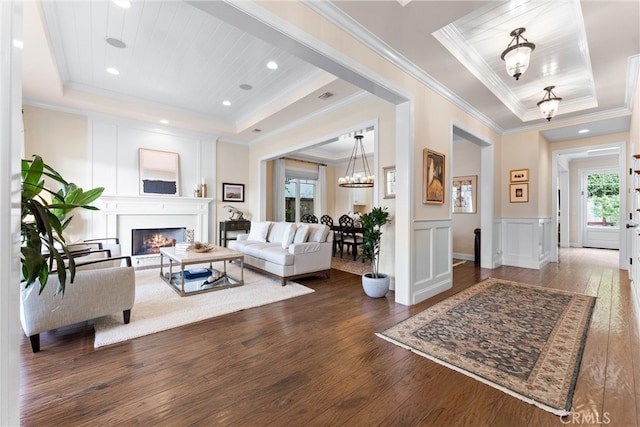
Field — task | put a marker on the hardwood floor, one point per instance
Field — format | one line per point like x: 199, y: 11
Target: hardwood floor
x: 315, y: 361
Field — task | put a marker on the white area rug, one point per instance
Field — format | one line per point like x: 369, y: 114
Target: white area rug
x: 158, y: 307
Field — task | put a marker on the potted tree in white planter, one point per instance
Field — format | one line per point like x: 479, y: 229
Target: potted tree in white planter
x: 375, y: 284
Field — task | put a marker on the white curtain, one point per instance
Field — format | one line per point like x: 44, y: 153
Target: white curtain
x: 320, y: 202
x: 279, y: 182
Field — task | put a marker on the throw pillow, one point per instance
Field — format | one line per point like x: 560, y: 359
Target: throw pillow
x: 318, y: 233
x: 259, y: 231
x: 278, y: 229
x: 301, y: 234
x: 288, y: 235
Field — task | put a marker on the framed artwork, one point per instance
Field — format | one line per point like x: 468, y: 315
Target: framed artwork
x: 519, y: 175
x: 519, y: 193
x: 464, y: 194
x: 232, y: 192
x: 389, y: 182
x: 159, y: 172
x: 433, y: 173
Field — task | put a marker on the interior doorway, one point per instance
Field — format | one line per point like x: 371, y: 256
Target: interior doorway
x: 567, y: 168
x: 472, y: 162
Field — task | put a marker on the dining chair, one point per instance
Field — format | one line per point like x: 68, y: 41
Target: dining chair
x: 309, y: 218
x: 337, y: 237
x: 349, y: 237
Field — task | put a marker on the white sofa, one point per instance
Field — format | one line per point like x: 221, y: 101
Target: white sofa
x: 286, y: 250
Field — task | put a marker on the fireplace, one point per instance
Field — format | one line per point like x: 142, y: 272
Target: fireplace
x: 119, y: 215
x: 148, y: 241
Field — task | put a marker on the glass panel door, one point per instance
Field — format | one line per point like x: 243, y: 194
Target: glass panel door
x: 601, y: 209
x: 299, y: 198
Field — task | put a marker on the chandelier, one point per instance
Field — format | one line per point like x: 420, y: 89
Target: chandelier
x: 549, y: 103
x: 352, y: 178
x: 516, y: 55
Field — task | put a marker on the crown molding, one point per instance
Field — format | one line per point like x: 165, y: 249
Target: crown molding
x: 124, y: 121
x: 335, y: 15
x: 316, y: 114
x: 569, y: 121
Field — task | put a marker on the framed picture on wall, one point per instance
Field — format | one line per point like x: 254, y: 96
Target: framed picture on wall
x: 464, y: 194
x: 519, y: 193
x: 232, y: 192
x: 519, y: 175
x: 389, y: 174
x: 159, y: 172
x: 433, y: 176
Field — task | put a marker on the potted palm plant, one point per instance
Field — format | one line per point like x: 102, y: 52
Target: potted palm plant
x: 375, y: 284
x: 43, y: 221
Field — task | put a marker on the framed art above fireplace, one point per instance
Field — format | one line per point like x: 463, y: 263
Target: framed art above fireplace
x: 159, y: 172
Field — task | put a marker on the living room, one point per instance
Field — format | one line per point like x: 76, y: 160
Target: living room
x: 99, y: 148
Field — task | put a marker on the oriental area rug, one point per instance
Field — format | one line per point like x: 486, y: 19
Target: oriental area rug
x: 524, y: 340
x: 349, y: 265
x: 157, y: 307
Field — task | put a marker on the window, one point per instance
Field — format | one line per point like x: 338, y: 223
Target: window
x: 299, y: 198
x: 603, y: 199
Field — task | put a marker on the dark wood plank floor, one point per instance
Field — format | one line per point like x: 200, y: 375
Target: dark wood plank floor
x: 314, y: 360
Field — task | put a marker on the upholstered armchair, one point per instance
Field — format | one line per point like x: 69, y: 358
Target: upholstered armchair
x: 110, y: 243
x: 95, y: 292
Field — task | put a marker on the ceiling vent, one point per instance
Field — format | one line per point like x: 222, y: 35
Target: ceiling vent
x: 325, y: 95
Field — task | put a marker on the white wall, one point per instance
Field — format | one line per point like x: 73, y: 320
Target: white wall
x: 10, y: 153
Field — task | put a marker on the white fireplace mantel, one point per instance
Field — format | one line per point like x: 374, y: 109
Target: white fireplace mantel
x: 123, y: 213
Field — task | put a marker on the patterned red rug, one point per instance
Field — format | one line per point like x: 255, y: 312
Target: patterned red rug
x: 524, y: 340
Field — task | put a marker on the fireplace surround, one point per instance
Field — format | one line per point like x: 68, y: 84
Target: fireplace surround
x: 122, y: 214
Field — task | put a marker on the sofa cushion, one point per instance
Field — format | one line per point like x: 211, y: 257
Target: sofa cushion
x: 277, y: 255
x: 318, y: 233
x: 301, y: 234
x: 288, y: 235
x: 304, y: 248
x: 259, y: 231
x: 278, y: 231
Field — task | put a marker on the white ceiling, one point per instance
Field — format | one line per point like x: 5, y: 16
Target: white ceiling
x: 181, y: 61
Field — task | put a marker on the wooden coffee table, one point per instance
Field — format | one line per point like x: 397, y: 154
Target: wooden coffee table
x: 181, y: 259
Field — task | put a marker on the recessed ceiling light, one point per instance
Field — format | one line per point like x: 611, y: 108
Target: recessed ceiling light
x: 125, y: 4
x: 245, y: 86
x: 226, y: 103
x: 584, y: 131
x: 116, y: 43
x: 164, y: 122
x: 113, y: 71
x: 272, y: 65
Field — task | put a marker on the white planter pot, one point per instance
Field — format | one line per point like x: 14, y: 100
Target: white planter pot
x: 375, y: 288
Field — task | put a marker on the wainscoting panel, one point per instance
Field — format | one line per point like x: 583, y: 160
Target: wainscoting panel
x: 526, y: 242
x: 432, y: 271
x: 497, y: 241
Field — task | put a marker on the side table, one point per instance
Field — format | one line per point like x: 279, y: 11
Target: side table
x: 233, y: 226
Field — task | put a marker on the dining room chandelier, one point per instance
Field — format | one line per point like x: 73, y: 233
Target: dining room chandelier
x: 517, y: 54
x: 549, y: 103
x: 363, y: 178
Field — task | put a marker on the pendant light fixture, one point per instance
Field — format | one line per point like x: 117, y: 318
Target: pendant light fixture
x: 516, y: 55
x: 351, y: 178
x: 549, y: 103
